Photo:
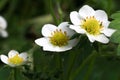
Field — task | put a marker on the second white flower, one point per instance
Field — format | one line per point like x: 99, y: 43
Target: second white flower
x: 93, y: 23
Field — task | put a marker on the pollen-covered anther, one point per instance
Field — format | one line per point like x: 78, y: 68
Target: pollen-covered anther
x: 92, y: 25
x: 59, y: 38
x: 15, y: 60
x: 101, y: 23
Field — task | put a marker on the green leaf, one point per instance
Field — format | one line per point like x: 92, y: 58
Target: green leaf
x: 18, y: 74
x: 106, y: 69
x: 5, y: 73
x: 115, y: 15
x: 115, y: 24
x: 115, y: 37
x: 118, y: 50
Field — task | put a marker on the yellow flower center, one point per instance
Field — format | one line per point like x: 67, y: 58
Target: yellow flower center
x: 59, y: 38
x: 92, y: 26
x: 16, y: 60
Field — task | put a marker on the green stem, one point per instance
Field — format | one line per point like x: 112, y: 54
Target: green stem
x: 58, y: 61
x: 14, y: 73
x: 31, y: 59
x: 99, y: 46
x: 73, y: 76
x: 59, y: 65
x: 12, y: 7
x: 52, y: 12
x: 60, y: 12
x: 90, y: 69
x: 72, y: 57
x: 33, y: 49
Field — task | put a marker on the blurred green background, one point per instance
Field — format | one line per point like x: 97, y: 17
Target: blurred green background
x: 25, y: 19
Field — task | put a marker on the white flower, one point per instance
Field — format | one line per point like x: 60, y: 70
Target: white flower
x: 56, y: 39
x: 3, y: 25
x: 14, y: 58
x: 93, y: 23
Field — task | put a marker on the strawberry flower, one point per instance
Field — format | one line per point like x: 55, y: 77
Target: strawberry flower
x: 93, y: 23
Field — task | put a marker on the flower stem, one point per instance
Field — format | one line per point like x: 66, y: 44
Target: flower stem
x: 59, y: 65
x: 90, y: 68
x: 72, y: 57
x: 14, y: 73
x: 73, y: 76
x: 52, y: 12
x: 60, y: 12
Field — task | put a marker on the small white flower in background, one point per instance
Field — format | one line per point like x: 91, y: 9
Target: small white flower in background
x: 3, y: 26
x: 93, y: 23
x: 14, y: 58
x: 56, y: 39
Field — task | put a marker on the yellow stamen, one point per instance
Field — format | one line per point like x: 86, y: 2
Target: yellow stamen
x: 16, y: 60
x: 59, y: 38
x: 92, y: 26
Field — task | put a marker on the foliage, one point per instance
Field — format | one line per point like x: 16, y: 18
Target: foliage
x: 86, y: 61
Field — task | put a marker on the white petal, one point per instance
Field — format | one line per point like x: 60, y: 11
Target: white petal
x: 12, y: 53
x: 75, y: 18
x: 101, y: 15
x: 64, y: 26
x: 3, y: 33
x: 3, y: 23
x: 108, y: 32
x: 101, y: 38
x: 90, y: 37
x: 56, y: 48
x: 48, y: 29
x: 106, y: 24
x: 53, y: 48
x: 12, y: 65
x: 73, y: 42
x: 24, y: 55
x: 41, y: 41
x: 78, y: 29
x: 4, y: 59
x: 86, y: 11
x: 49, y: 47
